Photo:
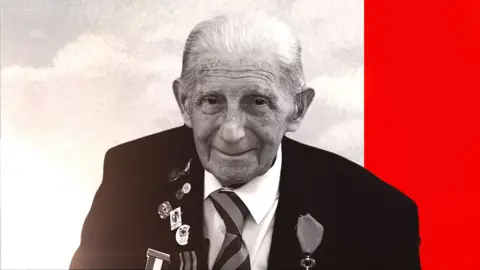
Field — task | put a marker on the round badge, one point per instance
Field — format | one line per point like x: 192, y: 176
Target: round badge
x: 164, y: 209
x: 186, y: 188
x: 182, y: 234
x: 179, y: 194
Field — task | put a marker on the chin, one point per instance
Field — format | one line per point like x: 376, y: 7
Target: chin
x: 230, y: 180
x: 229, y: 177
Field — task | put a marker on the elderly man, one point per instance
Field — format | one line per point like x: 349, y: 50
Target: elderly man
x: 228, y: 190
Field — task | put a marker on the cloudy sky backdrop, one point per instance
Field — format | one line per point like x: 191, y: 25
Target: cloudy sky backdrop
x: 79, y: 76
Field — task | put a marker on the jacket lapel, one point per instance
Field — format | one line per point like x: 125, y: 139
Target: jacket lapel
x: 296, y: 199
x: 190, y: 253
x: 194, y: 251
x: 285, y: 250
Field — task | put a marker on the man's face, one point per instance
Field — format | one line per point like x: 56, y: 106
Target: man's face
x: 239, y: 115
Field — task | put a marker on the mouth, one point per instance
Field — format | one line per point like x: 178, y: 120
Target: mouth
x: 232, y: 153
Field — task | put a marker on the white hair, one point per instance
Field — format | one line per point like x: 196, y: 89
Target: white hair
x: 244, y: 34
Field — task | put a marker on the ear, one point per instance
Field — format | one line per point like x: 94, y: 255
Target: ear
x: 182, y: 97
x: 302, y: 103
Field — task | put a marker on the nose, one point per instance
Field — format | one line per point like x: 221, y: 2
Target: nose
x: 233, y: 129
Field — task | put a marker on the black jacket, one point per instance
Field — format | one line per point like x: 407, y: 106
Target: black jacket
x: 367, y: 223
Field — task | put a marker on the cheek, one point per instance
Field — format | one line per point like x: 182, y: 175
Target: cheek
x: 203, y: 125
x: 268, y: 134
x: 270, y: 124
x: 269, y: 129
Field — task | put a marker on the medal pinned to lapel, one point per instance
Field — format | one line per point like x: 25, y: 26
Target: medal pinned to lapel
x: 157, y: 260
x: 188, y: 260
x: 164, y: 209
x: 174, y: 175
x: 309, y: 235
x: 182, y: 234
x: 175, y: 218
x: 177, y: 173
x: 185, y: 189
x: 179, y: 194
x: 186, y: 171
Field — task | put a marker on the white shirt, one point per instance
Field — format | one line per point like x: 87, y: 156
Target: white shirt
x: 260, y: 195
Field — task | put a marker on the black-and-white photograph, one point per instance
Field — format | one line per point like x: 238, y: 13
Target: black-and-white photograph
x: 219, y: 134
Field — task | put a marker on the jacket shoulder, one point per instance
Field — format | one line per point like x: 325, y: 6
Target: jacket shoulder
x: 351, y: 178
x: 163, y: 138
x: 143, y: 157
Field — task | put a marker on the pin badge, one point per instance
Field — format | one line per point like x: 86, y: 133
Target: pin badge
x: 186, y: 188
x: 174, y: 175
x: 182, y: 234
x: 179, y: 194
x: 175, y: 218
x: 164, y: 209
x: 187, y: 168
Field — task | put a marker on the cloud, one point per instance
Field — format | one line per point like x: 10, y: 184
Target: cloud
x: 91, y: 56
x: 345, y: 91
x: 335, y: 120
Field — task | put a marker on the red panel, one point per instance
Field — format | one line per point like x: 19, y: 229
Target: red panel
x: 422, y: 73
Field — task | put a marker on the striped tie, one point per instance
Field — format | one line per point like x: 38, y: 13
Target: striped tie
x: 234, y: 254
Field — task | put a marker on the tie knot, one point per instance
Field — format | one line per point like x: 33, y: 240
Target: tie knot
x: 231, y: 209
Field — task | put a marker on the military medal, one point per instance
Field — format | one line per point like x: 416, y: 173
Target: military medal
x: 188, y: 260
x: 157, y: 260
x: 175, y: 218
x: 309, y: 235
x: 182, y: 234
x: 307, y: 262
x: 164, y: 209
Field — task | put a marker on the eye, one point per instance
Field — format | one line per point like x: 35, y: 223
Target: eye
x: 260, y: 101
x: 211, y: 104
x: 257, y: 104
x: 210, y: 100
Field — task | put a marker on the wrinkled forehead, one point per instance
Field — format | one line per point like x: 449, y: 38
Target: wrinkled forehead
x: 252, y: 70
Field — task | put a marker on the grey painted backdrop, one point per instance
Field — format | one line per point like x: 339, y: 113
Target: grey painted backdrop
x: 81, y: 76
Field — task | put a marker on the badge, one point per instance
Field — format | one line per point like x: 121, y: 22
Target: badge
x: 182, y: 234
x: 156, y: 260
x: 164, y: 209
x: 175, y: 218
x: 179, y: 194
x: 174, y: 175
x: 187, y: 168
x: 186, y: 188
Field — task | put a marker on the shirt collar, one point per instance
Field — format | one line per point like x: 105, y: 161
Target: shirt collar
x: 259, y: 194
